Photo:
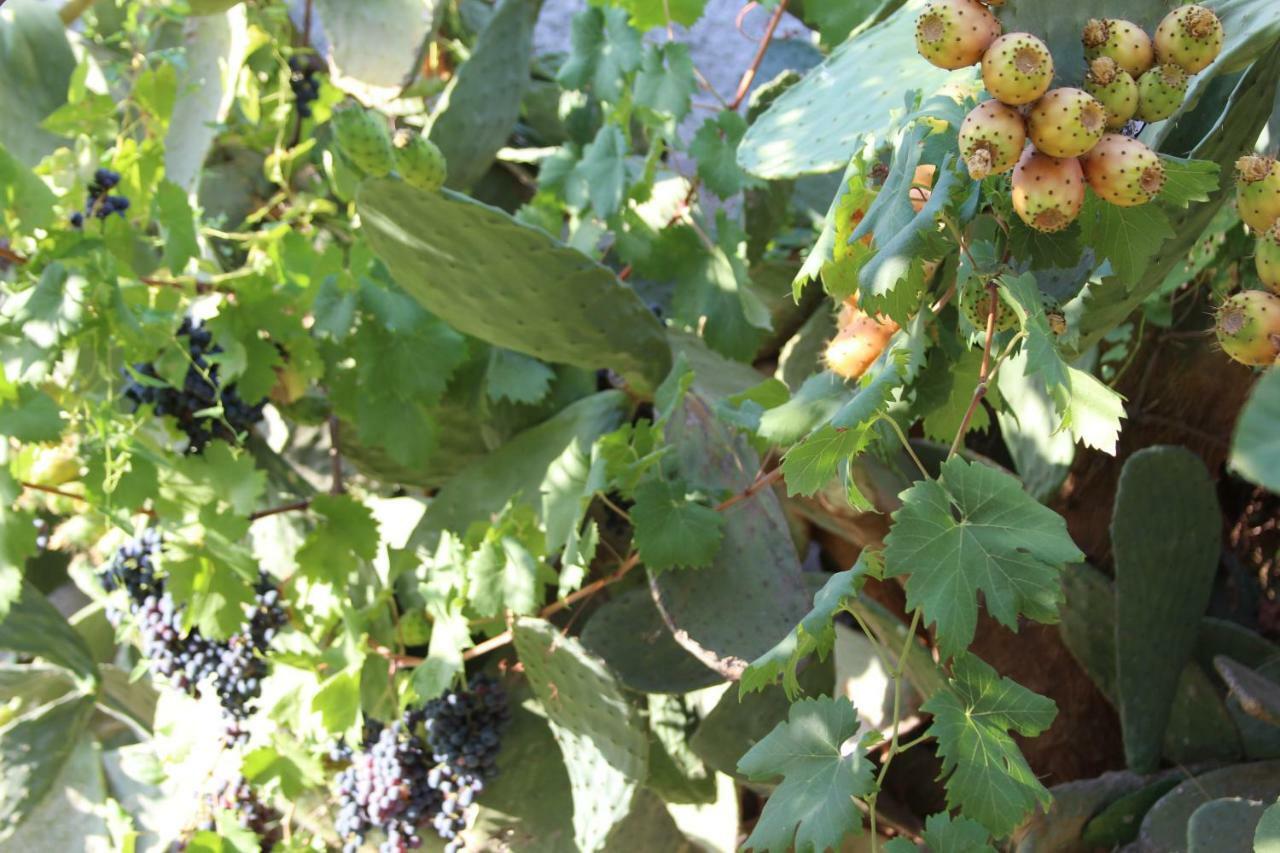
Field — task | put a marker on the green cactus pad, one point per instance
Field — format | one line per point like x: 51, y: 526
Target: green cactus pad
x: 1224, y: 826
x: 628, y: 633
x: 819, y: 123
x: 605, y: 748
x: 482, y: 102
x: 419, y: 161
x: 509, y: 284
x: 1258, y: 695
x: 1165, y: 533
x: 752, y: 595
x: 1165, y: 826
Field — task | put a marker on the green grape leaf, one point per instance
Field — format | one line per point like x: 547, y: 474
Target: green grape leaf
x: 810, y: 465
x: 815, y: 633
x: 1043, y: 358
x: 813, y: 807
x: 604, y: 48
x: 173, y: 211
x: 713, y: 146
x: 832, y: 249
x: 346, y: 536
x: 516, y: 377
x: 338, y: 701
x: 1188, y: 181
x: 31, y: 416
x: 450, y: 637
x: 1128, y: 237
x: 945, y: 389
x: 672, y: 528
x: 666, y: 82
x: 946, y: 834
x: 504, y: 576
x: 987, y: 777
x: 22, y: 194
x: 599, y: 178
x: 648, y: 14
x: 287, y: 763
x: 1255, y: 448
x: 1091, y: 409
x: 975, y: 530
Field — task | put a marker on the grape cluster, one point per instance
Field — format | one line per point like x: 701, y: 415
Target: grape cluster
x: 101, y: 203
x: 302, y: 80
x: 200, y: 392
x: 234, y: 668
x: 401, y: 779
x: 238, y: 797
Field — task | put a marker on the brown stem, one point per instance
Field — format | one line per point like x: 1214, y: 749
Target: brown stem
x: 749, y: 75
x: 51, y: 490
x: 11, y: 256
x: 296, y: 506
x: 984, y: 374
x: 760, y: 484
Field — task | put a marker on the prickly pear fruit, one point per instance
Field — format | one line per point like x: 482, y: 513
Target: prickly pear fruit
x: 418, y: 160
x: 1124, y: 41
x: 1048, y: 192
x: 1066, y: 122
x: 363, y: 137
x: 1161, y: 91
x: 1114, y: 88
x: 955, y: 33
x: 975, y: 304
x: 1258, y: 191
x: 1248, y: 327
x: 1268, y: 258
x: 1017, y: 68
x: 1190, y: 36
x: 1123, y: 171
x: 992, y: 137
x: 859, y: 341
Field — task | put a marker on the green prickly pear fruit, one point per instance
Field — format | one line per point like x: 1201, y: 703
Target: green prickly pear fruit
x: 1268, y: 258
x: 1048, y: 192
x: 1066, y: 122
x: 955, y: 33
x: 1123, y: 171
x: 363, y: 138
x: 1114, y: 88
x: 1017, y: 68
x: 1248, y: 327
x: 992, y: 137
x: 1190, y: 36
x: 1124, y: 41
x: 975, y: 304
x: 1258, y: 191
x: 419, y: 161
x: 1161, y: 91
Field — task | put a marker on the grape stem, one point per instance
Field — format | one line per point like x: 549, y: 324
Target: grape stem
x: 749, y: 76
x: 984, y: 375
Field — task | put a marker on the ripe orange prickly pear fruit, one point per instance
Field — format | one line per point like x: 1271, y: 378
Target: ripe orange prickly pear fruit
x: 1268, y: 258
x: 1258, y: 191
x: 859, y: 341
x: 1017, y: 68
x: 1123, y: 171
x: 1114, y: 88
x: 992, y: 137
x: 1048, y: 192
x: 1248, y: 327
x: 1066, y: 122
x: 1124, y: 41
x: 1190, y: 36
x: 1161, y: 91
x: 955, y: 33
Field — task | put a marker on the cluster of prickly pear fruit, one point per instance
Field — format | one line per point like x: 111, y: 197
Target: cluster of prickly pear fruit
x: 1248, y: 323
x: 1074, y: 132
x: 364, y: 140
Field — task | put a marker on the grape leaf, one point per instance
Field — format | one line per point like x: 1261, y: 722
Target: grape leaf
x: 345, y: 536
x: 815, y: 633
x: 945, y: 390
x: 975, y: 530
x: 714, y: 147
x: 174, y: 212
x: 1043, y: 357
x: 946, y: 834
x: 338, y: 700
x: 666, y: 83
x: 450, y: 637
x: 516, y: 377
x: 1129, y: 237
x: 1255, y: 449
x: 599, y: 178
x: 1092, y: 410
x: 22, y: 194
x: 32, y: 416
x: 810, y: 465
x: 1188, y: 181
x: 813, y: 806
x: 604, y: 48
x: 647, y: 14
x: 987, y: 777
x: 672, y: 529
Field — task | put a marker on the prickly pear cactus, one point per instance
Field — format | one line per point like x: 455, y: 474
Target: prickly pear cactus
x: 419, y: 161
x: 600, y: 735
x: 363, y: 138
x: 490, y: 276
x: 1165, y: 533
